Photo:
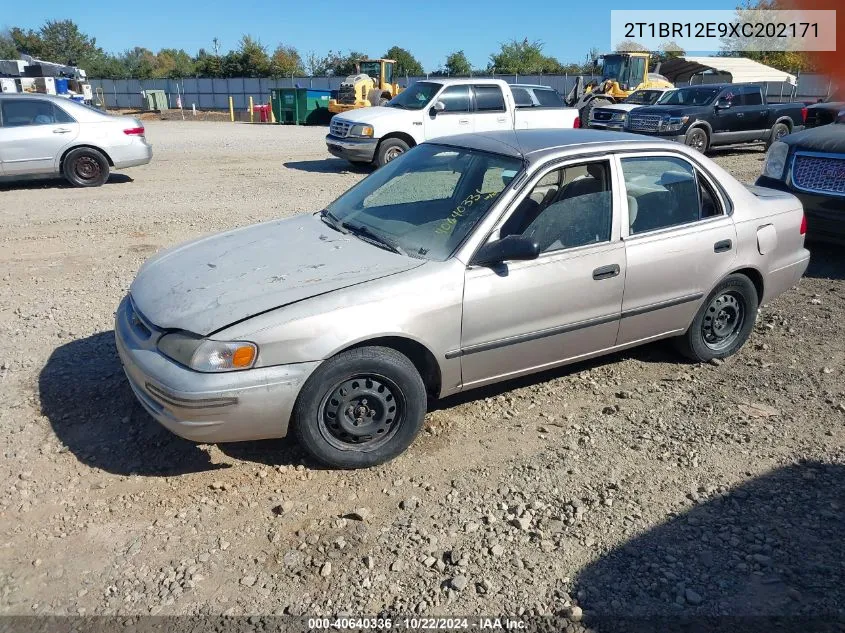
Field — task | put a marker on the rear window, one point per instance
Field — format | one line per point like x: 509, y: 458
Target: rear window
x: 549, y: 98
x: 489, y: 99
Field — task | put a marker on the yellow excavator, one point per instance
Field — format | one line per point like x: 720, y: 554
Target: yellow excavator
x: 621, y: 75
x: 372, y: 84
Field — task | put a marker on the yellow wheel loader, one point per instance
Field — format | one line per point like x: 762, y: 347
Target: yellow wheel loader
x: 373, y: 84
x: 621, y: 75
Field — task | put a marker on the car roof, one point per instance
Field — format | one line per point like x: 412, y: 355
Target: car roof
x: 463, y: 80
x: 539, y: 144
x: 531, y: 86
x: 32, y: 95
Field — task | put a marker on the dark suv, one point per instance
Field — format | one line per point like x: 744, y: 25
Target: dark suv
x: 717, y: 114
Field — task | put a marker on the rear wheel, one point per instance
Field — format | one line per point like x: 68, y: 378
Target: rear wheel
x: 778, y: 131
x: 360, y: 408
x: 85, y: 167
x: 723, y: 323
x: 698, y: 139
x: 390, y: 149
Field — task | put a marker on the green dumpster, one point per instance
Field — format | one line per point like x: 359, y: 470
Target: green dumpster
x: 301, y: 106
x: 155, y: 100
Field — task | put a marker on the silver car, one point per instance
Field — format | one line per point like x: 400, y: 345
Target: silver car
x: 466, y: 261
x: 44, y: 135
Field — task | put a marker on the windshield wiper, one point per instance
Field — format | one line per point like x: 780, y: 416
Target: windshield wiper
x: 333, y: 221
x: 367, y: 234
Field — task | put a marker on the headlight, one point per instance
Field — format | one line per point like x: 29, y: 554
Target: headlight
x: 619, y: 116
x: 206, y: 355
x: 775, y: 161
x: 362, y: 130
x: 673, y: 123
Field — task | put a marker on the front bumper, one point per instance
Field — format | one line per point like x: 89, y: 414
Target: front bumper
x: 607, y: 125
x: 825, y: 214
x: 227, y: 407
x: 352, y: 149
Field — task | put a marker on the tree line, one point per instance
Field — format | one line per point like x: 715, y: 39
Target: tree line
x: 62, y: 41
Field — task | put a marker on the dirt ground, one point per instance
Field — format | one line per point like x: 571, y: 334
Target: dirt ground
x: 632, y: 486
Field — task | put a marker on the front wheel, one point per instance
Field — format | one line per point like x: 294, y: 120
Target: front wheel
x: 85, y: 167
x: 360, y: 408
x: 723, y: 323
x: 697, y: 139
x: 390, y: 149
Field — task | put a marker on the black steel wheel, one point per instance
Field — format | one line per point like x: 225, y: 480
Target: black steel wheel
x: 360, y: 408
x: 85, y: 167
x: 697, y: 139
x: 361, y: 411
x: 724, y: 321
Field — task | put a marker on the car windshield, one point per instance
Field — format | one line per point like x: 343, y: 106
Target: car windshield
x: 416, y: 97
x: 644, y: 97
x: 664, y: 97
x: 425, y: 202
x: 697, y: 96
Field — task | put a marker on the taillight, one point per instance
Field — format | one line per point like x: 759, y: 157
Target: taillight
x: 803, y: 229
x: 577, y: 123
x: 804, y: 114
x: 134, y: 131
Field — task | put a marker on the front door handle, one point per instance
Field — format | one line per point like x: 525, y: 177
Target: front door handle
x: 463, y: 121
x: 722, y: 247
x: 740, y: 114
x: 606, y: 272
x: 60, y: 130
x: 501, y: 119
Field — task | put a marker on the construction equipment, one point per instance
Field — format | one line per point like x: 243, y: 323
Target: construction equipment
x: 372, y: 84
x: 621, y: 75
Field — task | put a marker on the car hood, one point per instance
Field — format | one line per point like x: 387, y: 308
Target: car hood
x: 825, y: 138
x: 620, y: 107
x: 212, y: 282
x: 377, y: 114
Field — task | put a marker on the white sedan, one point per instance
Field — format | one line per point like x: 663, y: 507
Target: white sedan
x: 612, y: 116
x: 44, y: 135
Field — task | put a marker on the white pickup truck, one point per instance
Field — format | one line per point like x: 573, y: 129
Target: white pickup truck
x: 438, y: 107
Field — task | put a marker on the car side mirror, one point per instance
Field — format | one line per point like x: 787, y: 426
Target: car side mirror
x: 722, y: 104
x: 512, y: 247
x: 438, y: 106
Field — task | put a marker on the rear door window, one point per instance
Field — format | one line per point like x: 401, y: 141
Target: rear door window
x: 752, y: 97
x: 27, y: 112
x: 549, y: 98
x: 521, y: 98
x: 489, y: 99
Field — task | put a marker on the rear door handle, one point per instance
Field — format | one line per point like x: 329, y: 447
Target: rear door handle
x: 740, y: 114
x: 722, y: 247
x: 463, y: 121
x: 606, y: 272
x: 60, y: 130
x: 501, y: 119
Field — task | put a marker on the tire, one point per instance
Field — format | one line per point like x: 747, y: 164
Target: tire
x: 724, y: 322
x: 343, y: 414
x: 778, y: 130
x: 698, y: 139
x: 588, y: 110
x: 390, y: 149
x: 85, y: 167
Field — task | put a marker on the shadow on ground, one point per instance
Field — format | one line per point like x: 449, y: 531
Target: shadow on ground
x: 827, y: 261
x: 765, y: 556
x: 85, y: 395
x: 54, y: 183
x: 328, y: 166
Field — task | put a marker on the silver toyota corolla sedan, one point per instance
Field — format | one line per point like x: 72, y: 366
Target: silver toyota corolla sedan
x: 44, y: 135
x: 462, y: 263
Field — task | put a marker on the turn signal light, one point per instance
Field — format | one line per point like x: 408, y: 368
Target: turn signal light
x: 134, y: 131
x: 243, y: 356
x: 803, y: 229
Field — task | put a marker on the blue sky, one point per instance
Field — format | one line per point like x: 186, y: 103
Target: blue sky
x: 429, y: 28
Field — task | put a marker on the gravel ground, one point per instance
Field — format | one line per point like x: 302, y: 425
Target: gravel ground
x: 636, y: 485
